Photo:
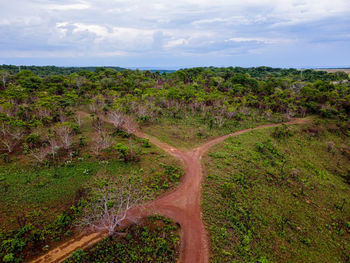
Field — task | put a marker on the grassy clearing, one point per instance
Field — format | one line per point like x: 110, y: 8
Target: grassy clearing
x: 280, y: 196
x: 39, y: 203
x: 191, y: 130
x: 155, y: 239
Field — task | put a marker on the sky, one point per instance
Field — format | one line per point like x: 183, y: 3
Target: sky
x: 172, y: 34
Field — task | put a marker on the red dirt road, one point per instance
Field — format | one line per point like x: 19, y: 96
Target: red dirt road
x: 181, y: 205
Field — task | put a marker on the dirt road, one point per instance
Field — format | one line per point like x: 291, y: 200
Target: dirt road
x: 181, y: 205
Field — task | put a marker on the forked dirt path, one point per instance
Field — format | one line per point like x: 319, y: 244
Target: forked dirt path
x: 181, y: 205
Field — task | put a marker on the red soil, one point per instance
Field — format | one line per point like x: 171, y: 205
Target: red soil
x: 181, y: 205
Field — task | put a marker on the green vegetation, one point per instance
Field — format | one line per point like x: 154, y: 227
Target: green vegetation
x: 189, y: 131
x: 155, y: 239
x: 280, y: 195
x: 44, y: 71
x: 40, y: 201
x: 50, y: 152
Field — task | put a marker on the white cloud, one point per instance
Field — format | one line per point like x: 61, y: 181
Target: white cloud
x: 81, y: 5
x: 259, y: 39
x: 176, y: 43
x: 98, y: 30
x: 119, y: 27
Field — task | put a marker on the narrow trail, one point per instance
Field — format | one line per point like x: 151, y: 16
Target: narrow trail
x: 181, y: 205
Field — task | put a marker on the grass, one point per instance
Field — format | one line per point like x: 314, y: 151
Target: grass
x: 155, y: 239
x: 268, y: 199
x: 191, y: 130
x: 34, y: 199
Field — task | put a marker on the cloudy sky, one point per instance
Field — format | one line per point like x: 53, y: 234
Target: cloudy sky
x: 176, y: 33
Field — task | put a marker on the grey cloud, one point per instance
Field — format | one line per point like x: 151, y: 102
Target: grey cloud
x: 136, y: 28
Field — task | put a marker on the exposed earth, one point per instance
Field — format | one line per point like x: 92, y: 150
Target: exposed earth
x: 183, y: 204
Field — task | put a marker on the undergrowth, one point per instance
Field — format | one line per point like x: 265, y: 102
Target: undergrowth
x: 280, y: 195
x: 155, y: 239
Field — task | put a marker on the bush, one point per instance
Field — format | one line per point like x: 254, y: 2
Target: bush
x: 126, y: 153
x: 282, y: 131
x: 9, y: 257
x: 33, y: 138
x: 145, y: 143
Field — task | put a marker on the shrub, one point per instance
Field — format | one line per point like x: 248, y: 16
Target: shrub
x: 126, y: 153
x: 9, y: 257
x: 146, y: 143
x: 281, y: 132
x: 33, y: 138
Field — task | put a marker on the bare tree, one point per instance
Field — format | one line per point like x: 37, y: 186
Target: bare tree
x: 40, y: 154
x: 62, y: 117
x: 53, y: 144
x: 97, y: 124
x: 11, y: 136
x: 123, y: 122
x: 93, y: 107
x: 101, y: 142
x: 43, y: 112
x: 117, y: 119
x: 78, y: 119
x: 64, y: 133
x: 110, y: 201
x: 4, y: 76
x: 130, y: 125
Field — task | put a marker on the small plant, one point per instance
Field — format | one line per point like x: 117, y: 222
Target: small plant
x: 281, y: 132
x: 78, y: 255
x: 146, y: 143
x: 126, y: 153
x: 5, y: 157
x: 82, y: 141
x: 9, y: 257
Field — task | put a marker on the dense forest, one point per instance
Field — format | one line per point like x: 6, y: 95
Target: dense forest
x: 218, y: 94
x: 44, y: 71
x: 49, y: 147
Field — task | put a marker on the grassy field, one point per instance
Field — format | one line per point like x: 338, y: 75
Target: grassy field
x: 280, y: 195
x: 189, y: 131
x: 39, y: 202
x: 155, y: 239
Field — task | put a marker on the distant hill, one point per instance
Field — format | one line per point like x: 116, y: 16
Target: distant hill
x: 333, y: 70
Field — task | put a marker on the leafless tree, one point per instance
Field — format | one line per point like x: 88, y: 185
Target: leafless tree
x: 53, y: 144
x: 123, y: 122
x: 117, y: 119
x: 130, y: 125
x: 4, y: 76
x: 93, y: 107
x: 43, y: 112
x: 110, y: 201
x: 97, y: 124
x: 11, y: 136
x: 40, y: 154
x: 102, y: 141
x: 62, y: 117
x: 78, y: 119
x: 219, y: 120
x: 64, y: 134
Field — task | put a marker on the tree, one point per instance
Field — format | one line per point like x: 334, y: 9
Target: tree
x: 101, y: 141
x: 4, y: 76
x: 40, y: 154
x: 11, y: 135
x: 64, y: 134
x: 123, y: 122
x: 97, y: 124
x: 53, y: 144
x: 110, y: 199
